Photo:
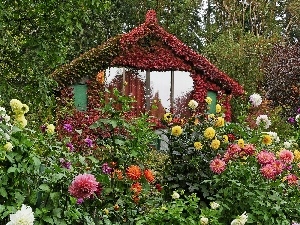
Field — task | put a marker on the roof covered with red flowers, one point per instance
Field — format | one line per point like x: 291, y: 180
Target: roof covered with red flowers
x: 146, y: 47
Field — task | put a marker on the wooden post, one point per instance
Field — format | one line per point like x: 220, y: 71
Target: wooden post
x: 147, y: 90
x: 172, y: 92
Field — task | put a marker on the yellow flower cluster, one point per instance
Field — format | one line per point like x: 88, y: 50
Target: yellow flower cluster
x: 19, y: 110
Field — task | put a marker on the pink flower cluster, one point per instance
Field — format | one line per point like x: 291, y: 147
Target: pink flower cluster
x: 271, y: 167
x: 234, y: 151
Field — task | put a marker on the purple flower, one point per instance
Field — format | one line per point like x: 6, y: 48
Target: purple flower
x: 298, y: 110
x: 89, y: 142
x: 65, y: 163
x: 291, y: 120
x: 44, y: 128
x: 68, y: 127
x: 70, y: 146
x: 79, y: 201
x: 106, y: 169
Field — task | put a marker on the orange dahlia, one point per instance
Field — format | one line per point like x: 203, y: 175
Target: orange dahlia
x: 136, y: 188
x: 118, y: 174
x: 149, y: 175
x: 134, y: 172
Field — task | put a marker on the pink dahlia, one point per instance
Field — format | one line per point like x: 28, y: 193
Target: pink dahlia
x: 265, y: 157
x: 286, y: 156
x: 249, y: 149
x: 292, y: 179
x: 83, y: 186
x: 217, y: 165
x: 278, y: 166
x: 268, y: 172
x: 233, y: 152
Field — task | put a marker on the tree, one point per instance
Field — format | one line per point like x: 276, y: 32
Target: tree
x: 282, y: 77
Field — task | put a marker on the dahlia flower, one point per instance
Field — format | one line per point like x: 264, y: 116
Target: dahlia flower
x: 203, y: 220
x: 209, y: 133
x: 255, y: 99
x: 8, y: 146
x: 24, y: 216
x: 218, y: 108
x: 175, y: 195
x: 263, y: 119
x: 286, y: 156
x: 267, y: 139
x: 149, y: 175
x: 83, y: 186
x: 50, y: 128
x: 268, y: 171
x: 198, y: 145
x: 215, y: 144
x: 193, y: 104
x: 134, y: 172
x: 176, y: 130
x: 217, y: 165
x: 265, y: 157
x: 168, y: 117
x: 214, y: 205
x: 208, y: 100
x: 220, y: 122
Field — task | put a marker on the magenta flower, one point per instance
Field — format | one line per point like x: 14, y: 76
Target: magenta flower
x: 79, y: 201
x: 106, y: 169
x: 65, y: 163
x: 70, y: 146
x: 89, y: 142
x: 68, y: 127
x: 83, y: 186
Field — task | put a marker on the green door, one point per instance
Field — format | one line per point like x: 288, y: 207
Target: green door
x: 212, y: 106
x: 80, y: 96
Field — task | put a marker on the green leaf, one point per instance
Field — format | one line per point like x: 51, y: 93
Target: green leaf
x: 119, y: 142
x: 3, y: 192
x: 44, y: 187
x: 11, y: 169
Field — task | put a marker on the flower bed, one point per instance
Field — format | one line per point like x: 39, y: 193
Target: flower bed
x: 213, y: 172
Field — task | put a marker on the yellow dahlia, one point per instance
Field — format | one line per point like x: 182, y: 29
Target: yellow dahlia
x: 168, y: 117
x: 208, y: 100
x: 198, y: 145
x: 209, y: 133
x: 218, y: 108
x: 267, y: 139
x: 220, y: 122
x: 177, y: 130
x: 215, y: 144
x: 241, y: 143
